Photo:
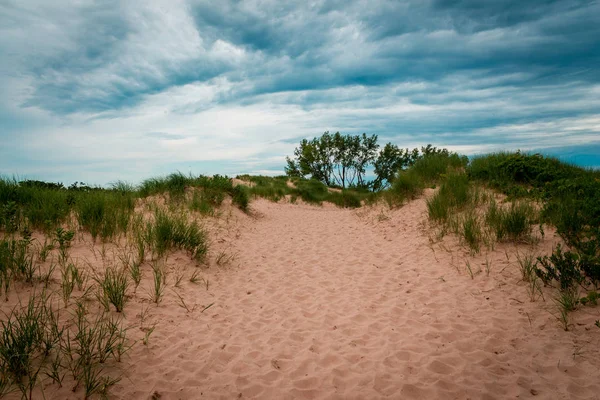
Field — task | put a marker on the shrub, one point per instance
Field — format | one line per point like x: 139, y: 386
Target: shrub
x: 562, y: 267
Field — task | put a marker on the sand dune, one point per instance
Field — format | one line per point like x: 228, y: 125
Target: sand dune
x: 327, y: 303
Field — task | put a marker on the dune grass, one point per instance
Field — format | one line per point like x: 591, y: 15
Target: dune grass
x: 34, y: 341
x: 169, y: 231
x: 105, y: 213
x: 309, y: 190
x: 114, y: 286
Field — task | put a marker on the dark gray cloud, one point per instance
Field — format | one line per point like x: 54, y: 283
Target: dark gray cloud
x: 294, y: 46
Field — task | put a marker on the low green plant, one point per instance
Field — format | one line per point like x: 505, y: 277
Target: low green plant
x: 46, y: 277
x: 406, y: 186
x: 345, y: 198
x: 312, y: 191
x: 114, y: 284
x: 89, y: 346
x: 146, y: 338
x: 224, y: 258
x: 135, y: 271
x: 566, y: 301
x: 68, y: 281
x: 10, y: 217
x: 488, y: 266
x: 160, y: 282
x: 563, y: 267
x: 44, y: 250
x: 178, y: 278
x: 591, y: 298
x: 527, y: 267
x: 515, y: 223
x: 201, y: 203
x: 194, y: 277
x: 63, y: 238
x: 240, y: 197
x: 470, y: 270
x: 28, y: 336
x: 471, y: 232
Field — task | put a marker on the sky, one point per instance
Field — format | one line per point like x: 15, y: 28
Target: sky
x: 100, y: 91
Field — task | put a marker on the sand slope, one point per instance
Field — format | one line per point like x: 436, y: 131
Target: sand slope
x: 330, y: 303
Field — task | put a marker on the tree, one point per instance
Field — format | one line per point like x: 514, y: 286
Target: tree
x: 313, y: 158
x: 342, y: 160
x: 334, y: 159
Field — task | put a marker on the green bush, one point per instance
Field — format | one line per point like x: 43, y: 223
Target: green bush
x: 267, y: 187
x: 563, y: 267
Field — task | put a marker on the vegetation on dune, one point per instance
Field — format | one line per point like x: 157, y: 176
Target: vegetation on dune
x: 570, y: 198
x: 105, y: 213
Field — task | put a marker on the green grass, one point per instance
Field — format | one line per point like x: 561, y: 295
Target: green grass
x: 272, y: 188
x: 514, y: 223
x: 407, y: 185
x: 174, y: 184
x: 173, y: 231
x: 39, y: 206
x: 105, y: 213
x: 240, y: 197
x: 454, y: 195
x: 431, y: 168
x: 170, y: 231
x: 159, y: 279
x: 309, y: 190
x: 34, y: 340
x: 114, y: 285
x: 345, y: 199
x: 471, y: 231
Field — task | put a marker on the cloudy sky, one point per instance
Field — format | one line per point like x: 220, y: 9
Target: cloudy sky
x: 97, y: 91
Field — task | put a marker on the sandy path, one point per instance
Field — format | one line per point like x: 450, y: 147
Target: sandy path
x: 324, y: 303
